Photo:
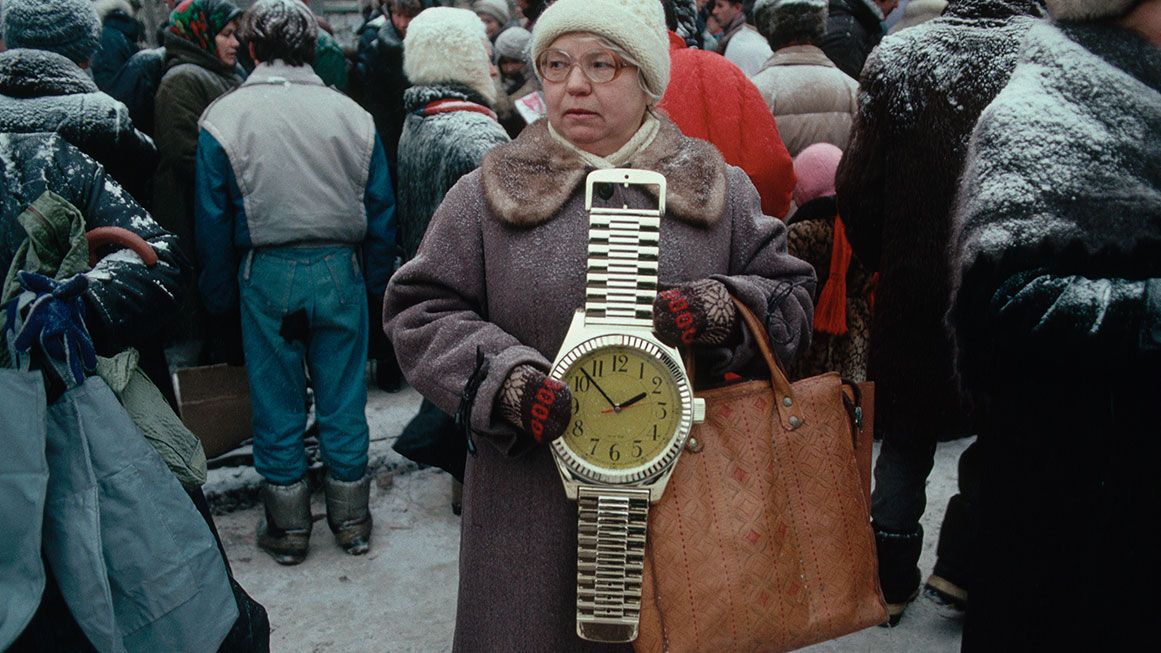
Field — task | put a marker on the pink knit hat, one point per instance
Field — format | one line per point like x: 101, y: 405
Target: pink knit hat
x: 815, y: 169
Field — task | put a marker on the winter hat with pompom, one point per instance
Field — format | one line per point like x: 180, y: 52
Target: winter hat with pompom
x: 637, y: 26
x: 783, y: 22
x: 448, y: 45
x: 69, y: 28
x: 1076, y: 11
x: 512, y: 43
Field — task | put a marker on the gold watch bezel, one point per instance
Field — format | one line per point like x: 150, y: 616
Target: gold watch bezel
x: 587, y: 472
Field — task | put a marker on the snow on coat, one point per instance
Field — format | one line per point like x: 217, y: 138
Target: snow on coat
x: 919, y: 99
x: 1057, y: 316
x: 42, y: 91
x: 502, y: 271
x: 128, y: 300
x: 811, y: 99
x: 434, y: 152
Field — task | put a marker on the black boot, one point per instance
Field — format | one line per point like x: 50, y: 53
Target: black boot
x: 285, y: 532
x: 948, y: 585
x: 899, y: 576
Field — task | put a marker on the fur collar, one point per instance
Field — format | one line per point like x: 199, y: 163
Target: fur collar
x: 997, y: 9
x: 528, y: 181
x: 417, y: 97
x: 37, y: 73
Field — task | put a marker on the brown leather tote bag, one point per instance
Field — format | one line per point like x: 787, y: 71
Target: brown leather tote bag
x: 762, y: 541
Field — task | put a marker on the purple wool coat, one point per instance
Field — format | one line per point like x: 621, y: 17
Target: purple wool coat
x: 501, y: 272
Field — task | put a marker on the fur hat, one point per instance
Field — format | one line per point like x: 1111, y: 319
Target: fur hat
x: 783, y: 22
x: 497, y: 9
x: 1086, y: 10
x: 815, y: 169
x: 67, y: 27
x: 512, y: 43
x: 637, y: 26
x: 448, y: 45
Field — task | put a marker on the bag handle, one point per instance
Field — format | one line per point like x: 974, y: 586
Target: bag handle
x: 784, y: 400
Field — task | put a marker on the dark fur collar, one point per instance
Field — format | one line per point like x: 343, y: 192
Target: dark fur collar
x: 528, y: 181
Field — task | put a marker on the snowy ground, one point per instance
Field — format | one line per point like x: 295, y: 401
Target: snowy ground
x: 401, y: 597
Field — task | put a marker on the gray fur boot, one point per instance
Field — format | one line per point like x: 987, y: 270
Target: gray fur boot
x: 285, y: 532
x: 348, y: 514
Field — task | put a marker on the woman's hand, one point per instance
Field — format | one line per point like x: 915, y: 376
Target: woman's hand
x: 697, y: 313
x: 537, y: 404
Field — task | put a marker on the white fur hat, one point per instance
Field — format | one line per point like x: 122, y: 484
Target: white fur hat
x: 1086, y: 10
x: 637, y: 26
x: 448, y: 45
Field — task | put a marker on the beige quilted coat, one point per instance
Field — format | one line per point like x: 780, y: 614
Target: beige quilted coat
x: 812, y: 100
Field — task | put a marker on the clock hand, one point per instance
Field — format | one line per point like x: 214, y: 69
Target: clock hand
x: 598, y: 387
x: 632, y: 401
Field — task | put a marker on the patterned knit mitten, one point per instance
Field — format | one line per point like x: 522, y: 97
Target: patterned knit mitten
x: 697, y: 313
x: 539, y: 405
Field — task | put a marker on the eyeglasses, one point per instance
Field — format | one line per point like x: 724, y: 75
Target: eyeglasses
x: 600, y: 66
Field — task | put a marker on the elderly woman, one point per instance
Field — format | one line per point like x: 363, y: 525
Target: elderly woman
x: 201, y: 56
x: 478, y: 314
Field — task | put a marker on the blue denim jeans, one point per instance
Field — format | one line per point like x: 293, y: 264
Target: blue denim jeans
x: 304, y: 309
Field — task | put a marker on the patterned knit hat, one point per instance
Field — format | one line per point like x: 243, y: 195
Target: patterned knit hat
x: 67, y: 27
x: 637, y: 26
x: 199, y: 21
x: 448, y: 45
x: 1086, y: 10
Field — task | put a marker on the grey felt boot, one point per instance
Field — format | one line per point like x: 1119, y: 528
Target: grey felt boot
x: 348, y: 514
x: 285, y: 532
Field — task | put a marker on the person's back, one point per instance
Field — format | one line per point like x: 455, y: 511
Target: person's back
x: 811, y: 99
x: 308, y: 204
x: 854, y: 28
x: 120, y: 34
x: 920, y: 96
x: 43, y: 88
x: 709, y: 98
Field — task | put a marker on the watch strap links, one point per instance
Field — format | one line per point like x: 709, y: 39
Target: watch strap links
x: 612, y: 525
x: 622, y: 267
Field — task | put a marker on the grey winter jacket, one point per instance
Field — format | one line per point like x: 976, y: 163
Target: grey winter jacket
x: 501, y: 272
x: 812, y: 100
x: 42, y: 91
x: 434, y: 152
x: 126, y: 300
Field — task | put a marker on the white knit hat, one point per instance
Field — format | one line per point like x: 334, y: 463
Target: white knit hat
x: 637, y: 26
x: 497, y: 9
x: 1086, y: 10
x: 448, y: 45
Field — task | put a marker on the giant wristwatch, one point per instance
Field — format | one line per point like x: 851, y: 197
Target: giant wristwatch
x: 633, y: 408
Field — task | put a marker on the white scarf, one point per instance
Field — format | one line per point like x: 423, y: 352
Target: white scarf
x: 641, y: 140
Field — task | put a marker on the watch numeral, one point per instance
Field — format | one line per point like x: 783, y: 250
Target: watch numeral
x: 581, y: 383
x: 655, y: 433
x: 621, y: 363
x: 661, y: 408
x: 656, y: 385
x: 596, y: 442
x: 578, y: 429
x: 598, y: 369
x: 641, y: 371
x: 638, y: 451
x: 614, y: 455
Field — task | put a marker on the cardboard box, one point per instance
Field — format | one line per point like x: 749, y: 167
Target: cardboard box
x: 215, y: 406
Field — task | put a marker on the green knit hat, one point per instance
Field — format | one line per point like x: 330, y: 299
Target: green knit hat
x: 199, y: 21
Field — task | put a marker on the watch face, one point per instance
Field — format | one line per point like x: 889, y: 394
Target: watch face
x: 627, y: 406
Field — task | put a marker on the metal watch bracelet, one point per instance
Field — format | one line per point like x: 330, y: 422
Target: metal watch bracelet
x: 612, y: 525
x: 622, y: 267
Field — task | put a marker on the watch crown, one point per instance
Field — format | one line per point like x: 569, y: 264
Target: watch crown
x: 698, y: 411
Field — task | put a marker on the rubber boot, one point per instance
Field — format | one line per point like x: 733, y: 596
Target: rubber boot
x: 285, y: 532
x: 348, y: 514
x: 899, y: 575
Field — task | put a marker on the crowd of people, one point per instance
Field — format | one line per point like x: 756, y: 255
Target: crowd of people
x: 959, y: 201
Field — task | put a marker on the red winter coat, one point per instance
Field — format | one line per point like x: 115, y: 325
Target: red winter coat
x: 711, y: 99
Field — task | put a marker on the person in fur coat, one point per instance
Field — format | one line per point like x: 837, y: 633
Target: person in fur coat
x: 479, y: 313
x: 920, y: 95
x: 1057, y: 318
